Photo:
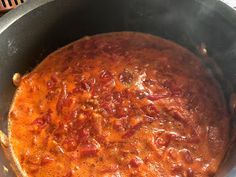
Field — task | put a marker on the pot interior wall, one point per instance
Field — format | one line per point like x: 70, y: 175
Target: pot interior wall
x: 188, y: 22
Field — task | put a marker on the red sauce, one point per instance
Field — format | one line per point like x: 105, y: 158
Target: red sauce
x: 117, y: 105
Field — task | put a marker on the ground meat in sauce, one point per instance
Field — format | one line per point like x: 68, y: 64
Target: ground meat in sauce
x: 116, y: 105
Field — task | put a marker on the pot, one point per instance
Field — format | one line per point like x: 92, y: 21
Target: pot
x: 33, y: 30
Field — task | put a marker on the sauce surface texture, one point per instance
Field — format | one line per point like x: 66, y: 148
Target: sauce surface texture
x: 119, y: 105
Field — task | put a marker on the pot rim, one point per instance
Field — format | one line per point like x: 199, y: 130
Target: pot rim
x: 227, y: 12
x: 9, y: 18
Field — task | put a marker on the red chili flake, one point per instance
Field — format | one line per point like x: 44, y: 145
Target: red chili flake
x: 107, y: 97
x: 60, y: 131
x: 51, y: 84
x: 179, y: 138
x: 136, y: 162
x: 46, y: 159
x: 150, y: 110
x: 106, y: 76
x: 76, y: 124
x: 126, y: 77
x: 107, y: 86
x: 151, y: 113
x: 39, y: 122
x: 54, y: 77
x: 126, y: 93
x: 163, y: 140
x: 57, y: 149
x: 83, y: 135
x: 177, y: 169
x: 117, y: 97
x: 107, y: 106
x: 132, y: 130
x: 70, y: 144
x: 118, y: 125
x: 50, y: 95
x: 172, y: 154
x: 122, y: 111
x: 62, y: 97
x: 43, y: 121
x: 89, y: 149
x: 178, y: 116
x: 47, y: 116
x: 187, y: 156
x: 85, y: 85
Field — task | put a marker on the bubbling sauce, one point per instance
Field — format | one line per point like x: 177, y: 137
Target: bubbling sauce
x: 120, y: 104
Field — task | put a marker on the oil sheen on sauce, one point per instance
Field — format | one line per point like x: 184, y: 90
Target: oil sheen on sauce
x: 120, y: 104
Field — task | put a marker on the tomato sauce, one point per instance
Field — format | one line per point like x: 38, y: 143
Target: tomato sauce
x: 119, y: 105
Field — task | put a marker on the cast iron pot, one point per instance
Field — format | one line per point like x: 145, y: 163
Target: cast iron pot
x: 35, y: 29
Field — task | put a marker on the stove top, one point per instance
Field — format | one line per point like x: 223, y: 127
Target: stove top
x: 231, y: 3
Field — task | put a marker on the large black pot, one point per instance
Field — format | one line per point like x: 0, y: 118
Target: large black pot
x: 37, y: 28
